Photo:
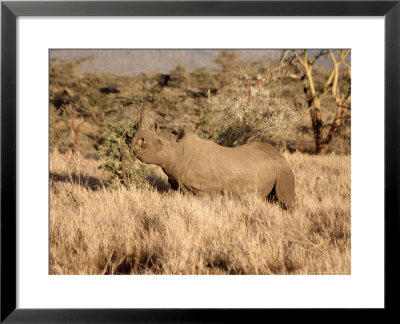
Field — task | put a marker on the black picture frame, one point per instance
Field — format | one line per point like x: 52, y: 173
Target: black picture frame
x: 11, y: 10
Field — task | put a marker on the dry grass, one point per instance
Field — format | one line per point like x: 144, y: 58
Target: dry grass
x: 94, y: 230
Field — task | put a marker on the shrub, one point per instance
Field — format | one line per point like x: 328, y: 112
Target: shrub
x: 124, y: 168
x: 252, y: 111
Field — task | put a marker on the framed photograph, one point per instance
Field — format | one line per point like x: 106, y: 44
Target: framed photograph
x: 197, y: 160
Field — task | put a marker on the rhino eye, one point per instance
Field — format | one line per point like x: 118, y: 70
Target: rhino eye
x: 142, y: 143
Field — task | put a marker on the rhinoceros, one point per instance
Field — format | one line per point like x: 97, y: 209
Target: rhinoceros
x: 197, y: 165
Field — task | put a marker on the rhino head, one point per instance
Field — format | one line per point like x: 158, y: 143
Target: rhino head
x: 147, y: 144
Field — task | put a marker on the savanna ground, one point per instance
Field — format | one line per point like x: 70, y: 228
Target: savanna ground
x: 95, y: 229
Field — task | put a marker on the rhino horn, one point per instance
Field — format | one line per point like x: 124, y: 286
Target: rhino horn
x: 144, y: 122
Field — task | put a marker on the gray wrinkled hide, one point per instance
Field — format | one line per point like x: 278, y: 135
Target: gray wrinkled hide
x: 202, y: 166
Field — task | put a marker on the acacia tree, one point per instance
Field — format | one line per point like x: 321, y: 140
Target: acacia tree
x: 303, y: 64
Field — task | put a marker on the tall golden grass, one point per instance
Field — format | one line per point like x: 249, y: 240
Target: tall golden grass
x: 99, y: 230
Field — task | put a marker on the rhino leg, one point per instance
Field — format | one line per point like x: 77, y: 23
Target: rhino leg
x: 173, y: 183
x: 284, y: 187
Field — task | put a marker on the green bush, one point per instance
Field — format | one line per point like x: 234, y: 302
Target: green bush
x: 125, y: 169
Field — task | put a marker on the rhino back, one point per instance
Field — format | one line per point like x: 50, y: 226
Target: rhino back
x: 209, y: 167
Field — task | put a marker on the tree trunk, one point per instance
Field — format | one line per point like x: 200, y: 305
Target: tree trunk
x: 314, y: 106
x: 317, y: 125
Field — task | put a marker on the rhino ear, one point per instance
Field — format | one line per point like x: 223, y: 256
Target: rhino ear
x: 181, y: 134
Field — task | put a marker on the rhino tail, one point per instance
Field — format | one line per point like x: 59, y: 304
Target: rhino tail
x: 284, y: 186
